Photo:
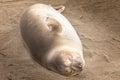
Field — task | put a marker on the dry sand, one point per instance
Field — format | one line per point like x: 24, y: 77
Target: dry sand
x: 98, y: 24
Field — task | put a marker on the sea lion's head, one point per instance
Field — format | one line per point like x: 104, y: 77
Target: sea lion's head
x: 66, y: 62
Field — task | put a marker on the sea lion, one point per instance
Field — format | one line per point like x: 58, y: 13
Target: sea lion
x: 51, y: 39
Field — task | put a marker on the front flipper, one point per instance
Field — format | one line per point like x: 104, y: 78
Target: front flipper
x: 53, y: 25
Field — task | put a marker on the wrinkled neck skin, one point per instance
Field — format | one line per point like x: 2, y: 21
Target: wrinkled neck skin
x: 53, y: 53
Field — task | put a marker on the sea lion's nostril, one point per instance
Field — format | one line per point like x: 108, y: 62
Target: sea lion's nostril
x: 77, y: 66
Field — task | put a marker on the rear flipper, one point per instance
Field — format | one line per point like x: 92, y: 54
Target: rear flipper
x: 59, y: 8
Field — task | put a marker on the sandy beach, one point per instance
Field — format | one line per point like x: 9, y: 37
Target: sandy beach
x: 97, y: 22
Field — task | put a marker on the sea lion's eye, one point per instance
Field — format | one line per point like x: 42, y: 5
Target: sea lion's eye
x: 71, y: 71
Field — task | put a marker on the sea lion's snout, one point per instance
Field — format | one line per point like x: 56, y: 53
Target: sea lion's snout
x: 77, y: 66
x: 68, y: 63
